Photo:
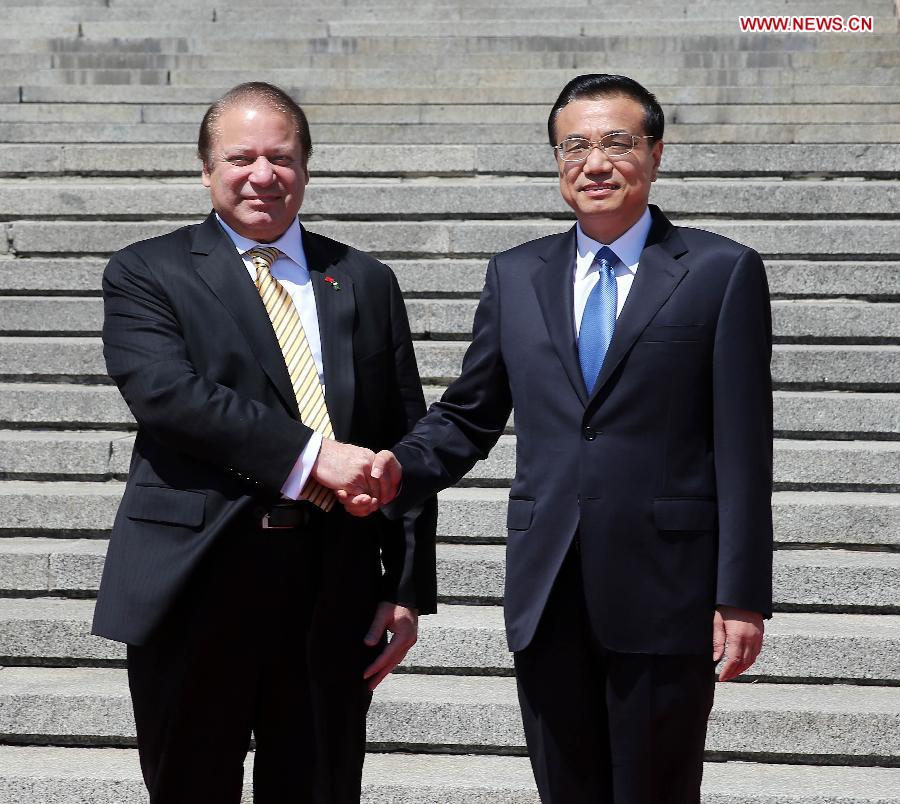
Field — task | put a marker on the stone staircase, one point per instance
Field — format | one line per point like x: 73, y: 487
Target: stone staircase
x: 430, y: 152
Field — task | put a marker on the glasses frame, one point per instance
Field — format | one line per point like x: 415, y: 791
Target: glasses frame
x: 599, y: 144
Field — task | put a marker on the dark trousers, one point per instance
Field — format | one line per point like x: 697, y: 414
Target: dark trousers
x: 238, y: 655
x: 605, y: 727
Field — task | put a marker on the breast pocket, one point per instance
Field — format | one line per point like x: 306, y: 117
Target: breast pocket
x: 672, y: 333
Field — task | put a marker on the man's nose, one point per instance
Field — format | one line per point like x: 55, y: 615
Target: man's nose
x: 597, y: 161
x: 262, y: 172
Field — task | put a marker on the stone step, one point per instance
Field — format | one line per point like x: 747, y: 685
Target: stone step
x: 309, y: 58
x: 447, y: 113
x: 804, y: 580
x: 370, y: 11
x: 849, y: 135
x: 65, y: 509
x: 665, y: 23
x: 507, y: 197
x: 797, y: 414
x: 840, y: 723
x: 836, y: 239
x: 792, y: 321
x: 799, y: 465
x: 429, y: 278
x: 470, y: 640
x: 36, y: 775
x: 666, y: 90
x: 476, y: 515
x: 723, y: 160
x: 798, y: 367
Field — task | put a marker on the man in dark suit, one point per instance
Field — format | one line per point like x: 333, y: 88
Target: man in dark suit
x: 248, y: 350
x: 636, y: 355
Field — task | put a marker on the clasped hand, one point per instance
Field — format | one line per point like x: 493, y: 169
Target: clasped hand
x: 361, y: 480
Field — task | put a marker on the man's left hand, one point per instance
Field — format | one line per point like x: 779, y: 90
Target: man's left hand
x: 738, y: 634
x: 403, y: 623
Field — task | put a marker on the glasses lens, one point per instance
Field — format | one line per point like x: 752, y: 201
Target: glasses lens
x: 575, y: 149
x: 617, y: 144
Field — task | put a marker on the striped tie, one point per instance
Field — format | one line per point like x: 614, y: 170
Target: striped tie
x: 298, y: 358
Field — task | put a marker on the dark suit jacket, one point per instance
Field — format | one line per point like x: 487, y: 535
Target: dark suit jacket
x: 664, y: 470
x: 189, y: 343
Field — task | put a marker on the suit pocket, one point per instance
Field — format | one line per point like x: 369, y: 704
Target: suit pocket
x: 519, y: 514
x: 687, y: 514
x: 167, y: 506
x: 672, y: 333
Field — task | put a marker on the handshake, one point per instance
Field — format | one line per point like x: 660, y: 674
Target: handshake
x: 361, y: 480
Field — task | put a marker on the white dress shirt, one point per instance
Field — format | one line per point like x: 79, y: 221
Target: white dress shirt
x: 628, y: 249
x: 291, y: 271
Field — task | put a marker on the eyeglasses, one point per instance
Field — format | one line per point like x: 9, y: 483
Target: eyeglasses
x: 614, y: 145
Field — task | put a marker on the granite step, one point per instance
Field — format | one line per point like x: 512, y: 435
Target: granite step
x: 36, y: 775
x: 446, y: 278
x: 797, y: 367
x: 478, y: 516
x: 800, y: 321
x: 308, y: 58
x: 470, y: 640
x: 876, y: 160
x: 666, y: 90
x: 105, y: 455
x: 804, y: 580
x: 455, y: 113
x: 849, y: 135
x: 798, y: 414
x: 444, y: 199
x: 437, y: 12
x: 791, y: 239
x: 66, y: 509
x: 840, y: 724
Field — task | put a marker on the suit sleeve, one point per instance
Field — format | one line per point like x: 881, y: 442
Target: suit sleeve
x: 465, y: 424
x: 408, y: 547
x: 149, y: 360
x: 742, y: 431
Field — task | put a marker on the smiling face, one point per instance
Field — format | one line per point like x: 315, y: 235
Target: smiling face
x: 257, y: 172
x: 608, y: 196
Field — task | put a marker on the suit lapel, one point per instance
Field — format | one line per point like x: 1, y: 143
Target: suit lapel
x: 336, y: 309
x: 217, y: 262
x: 657, y: 276
x: 551, y: 276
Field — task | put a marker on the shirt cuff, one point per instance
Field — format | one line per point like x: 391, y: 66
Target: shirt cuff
x: 296, y: 480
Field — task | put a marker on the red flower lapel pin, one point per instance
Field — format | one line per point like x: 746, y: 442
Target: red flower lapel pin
x: 333, y: 282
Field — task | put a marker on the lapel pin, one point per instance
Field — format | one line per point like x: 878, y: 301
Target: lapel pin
x: 333, y: 282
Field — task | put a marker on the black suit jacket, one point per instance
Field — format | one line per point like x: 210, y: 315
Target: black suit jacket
x: 664, y: 471
x: 190, y: 345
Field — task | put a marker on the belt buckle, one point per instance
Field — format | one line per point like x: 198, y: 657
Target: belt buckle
x: 265, y: 524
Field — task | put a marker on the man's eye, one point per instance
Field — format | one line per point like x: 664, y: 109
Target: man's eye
x: 238, y: 160
x: 575, y: 146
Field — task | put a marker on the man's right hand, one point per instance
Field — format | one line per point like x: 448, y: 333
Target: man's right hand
x: 346, y: 469
x: 385, y: 474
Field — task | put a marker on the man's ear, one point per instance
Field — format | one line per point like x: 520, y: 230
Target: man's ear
x: 656, y: 155
x: 204, y: 174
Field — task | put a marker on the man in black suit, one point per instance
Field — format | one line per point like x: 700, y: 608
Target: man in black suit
x: 636, y: 354
x: 248, y: 349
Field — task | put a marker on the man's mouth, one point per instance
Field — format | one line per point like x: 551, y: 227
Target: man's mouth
x: 600, y: 189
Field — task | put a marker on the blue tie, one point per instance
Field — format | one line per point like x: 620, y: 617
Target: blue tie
x: 599, y: 319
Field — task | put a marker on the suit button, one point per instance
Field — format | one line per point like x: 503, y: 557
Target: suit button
x: 589, y: 433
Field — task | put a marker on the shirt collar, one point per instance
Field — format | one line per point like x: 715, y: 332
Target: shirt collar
x: 290, y: 243
x: 628, y: 247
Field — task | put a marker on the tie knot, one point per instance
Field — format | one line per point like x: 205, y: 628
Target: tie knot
x: 606, y: 258
x: 263, y: 256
